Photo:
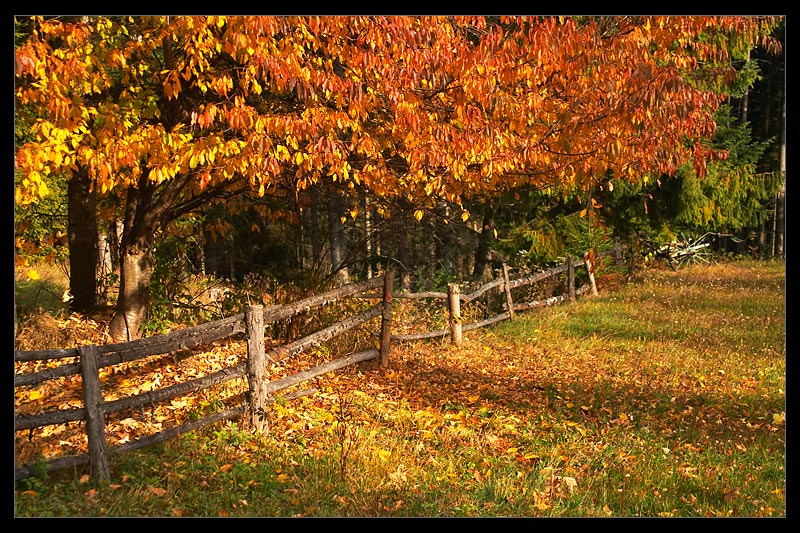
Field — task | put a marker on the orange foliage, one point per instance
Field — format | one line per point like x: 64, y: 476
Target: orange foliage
x: 421, y: 106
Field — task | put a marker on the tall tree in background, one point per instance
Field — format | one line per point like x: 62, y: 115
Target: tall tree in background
x: 177, y: 111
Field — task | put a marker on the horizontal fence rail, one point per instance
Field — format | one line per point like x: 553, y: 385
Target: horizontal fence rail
x: 251, y: 323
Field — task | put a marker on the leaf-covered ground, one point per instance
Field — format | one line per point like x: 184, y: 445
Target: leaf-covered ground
x: 659, y: 398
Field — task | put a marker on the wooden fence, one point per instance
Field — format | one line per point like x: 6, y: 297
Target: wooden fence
x: 252, y: 323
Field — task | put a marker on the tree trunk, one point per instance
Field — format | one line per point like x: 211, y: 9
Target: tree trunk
x: 313, y: 254
x: 136, y: 267
x: 136, y: 272
x: 403, y: 255
x: 780, y: 226
x: 781, y: 201
x: 83, y: 252
x: 483, y: 252
x: 338, y: 238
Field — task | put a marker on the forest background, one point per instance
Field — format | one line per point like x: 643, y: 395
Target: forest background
x: 162, y: 160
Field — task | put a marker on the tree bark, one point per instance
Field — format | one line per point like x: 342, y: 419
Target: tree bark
x: 136, y: 266
x: 83, y: 234
x: 338, y: 238
x: 483, y: 252
x: 781, y: 200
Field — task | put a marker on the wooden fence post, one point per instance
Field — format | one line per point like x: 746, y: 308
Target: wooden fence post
x: 95, y: 415
x: 454, y: 307
x: 507, y: 288
x: 571, y: 277
x: 588, y: 261
x: 256, y: 364
x: 386, y: 318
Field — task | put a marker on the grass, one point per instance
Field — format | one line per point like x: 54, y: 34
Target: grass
x: 40, y: 289
x: 664, y: 398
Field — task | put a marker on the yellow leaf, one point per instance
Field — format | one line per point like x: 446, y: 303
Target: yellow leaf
x: 465, y: 215
x: 384, y: 455
x: 418, y: 214
x: 33, y: 275
x: 34, y: 395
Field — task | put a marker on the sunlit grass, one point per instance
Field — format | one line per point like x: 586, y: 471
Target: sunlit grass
x: 665, y: 398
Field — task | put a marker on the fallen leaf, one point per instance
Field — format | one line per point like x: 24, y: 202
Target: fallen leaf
x: 570, y: 483
x: 157, y: 491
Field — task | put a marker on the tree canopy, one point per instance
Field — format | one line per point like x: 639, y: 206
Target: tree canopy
x: 170, y: 112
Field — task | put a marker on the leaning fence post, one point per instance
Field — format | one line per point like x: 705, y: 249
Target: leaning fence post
x: 571, y: 277
x: 256, y: 364
x: 588, y: 260
x: 386, y: 319
x: 507, y: 288
x: 454, y: 307
x: 95, y: 414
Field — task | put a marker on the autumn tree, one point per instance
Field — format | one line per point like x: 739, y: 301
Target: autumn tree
x: 176, y: 111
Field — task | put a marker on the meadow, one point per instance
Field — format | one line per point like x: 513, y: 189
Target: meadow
x: 661, y: 397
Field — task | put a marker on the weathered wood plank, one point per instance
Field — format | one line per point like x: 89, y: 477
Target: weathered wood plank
x: 321, y: 369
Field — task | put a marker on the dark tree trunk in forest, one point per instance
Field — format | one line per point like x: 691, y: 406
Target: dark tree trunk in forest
x: 403, y: 255
x: 314, y: 227
x: 483, y: 251
x: 781, y: 201
x: 83, y: 251
x: 338, y: 238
